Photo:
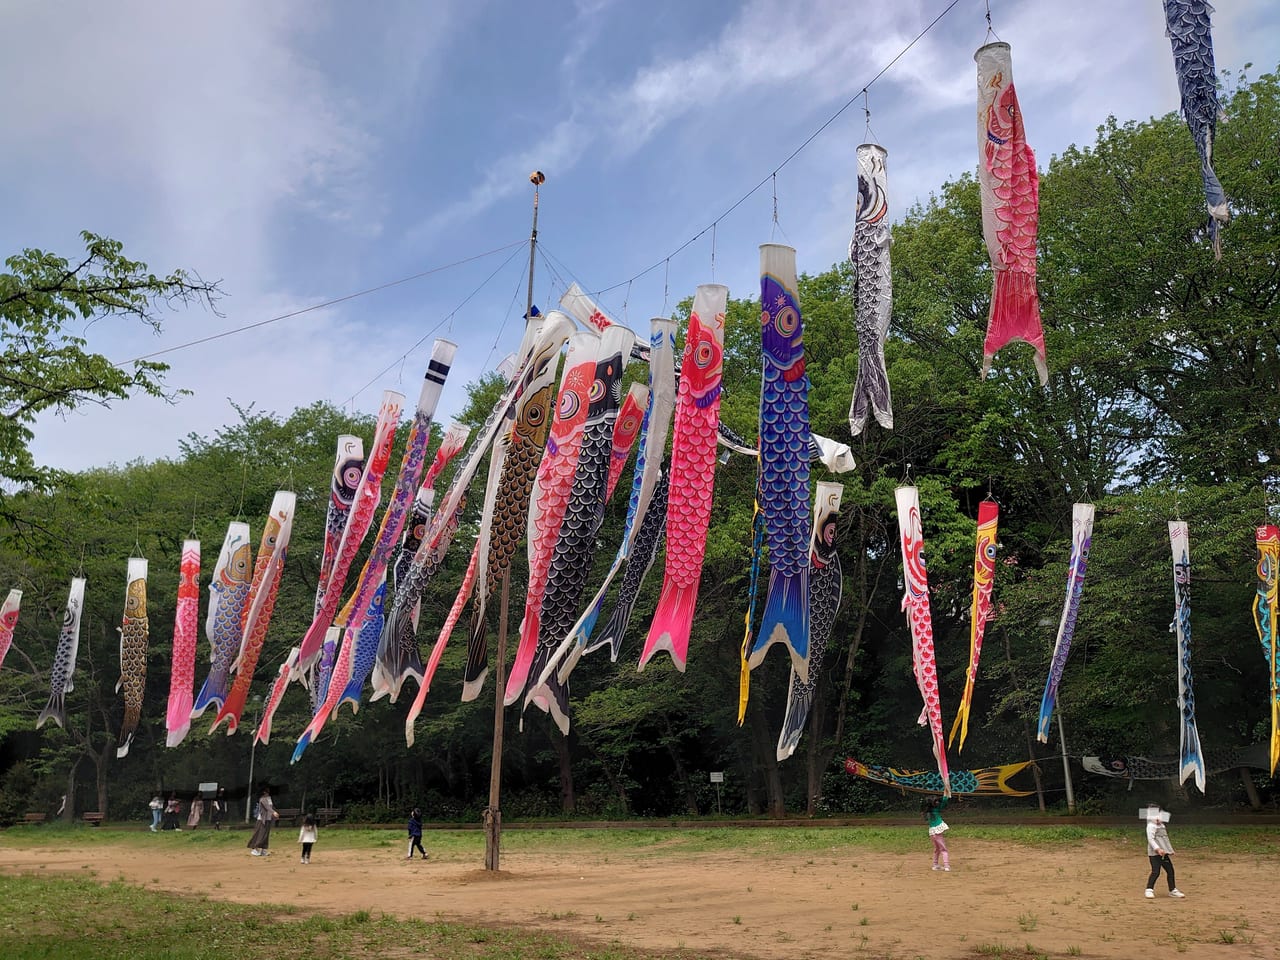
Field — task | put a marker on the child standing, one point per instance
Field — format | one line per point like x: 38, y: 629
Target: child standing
x: 1158, y: 850
x: 307, y: 836
x: 932, y: 810
x: 157, y: 811
x: 415, y: 834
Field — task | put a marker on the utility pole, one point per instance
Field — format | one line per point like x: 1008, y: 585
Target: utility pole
x: 493, y: 812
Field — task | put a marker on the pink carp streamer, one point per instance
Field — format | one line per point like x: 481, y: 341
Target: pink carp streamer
x: 1264, y: 618
x: 437, y: 651
x: 8, y: 621
x: 984, y: 577
x: 693, y: 471
x: 186, y: 637
x: 1010, y: 189
x: 267, y: 570
x: 915, y: 601
x: 625, y: 430
x: 263, y: 734
x: 549, y: 499
x: 360, y: 520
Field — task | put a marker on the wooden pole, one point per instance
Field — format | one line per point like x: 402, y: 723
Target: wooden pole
x: 493, y: 812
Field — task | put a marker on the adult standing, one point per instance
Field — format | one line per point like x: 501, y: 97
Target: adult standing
x: 218, y: 811
x: 157, y: 811
x: 197, y: 811
x: 267, y: 816
x: 415, y: 834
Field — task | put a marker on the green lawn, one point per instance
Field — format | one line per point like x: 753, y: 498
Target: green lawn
x: 82, y: 919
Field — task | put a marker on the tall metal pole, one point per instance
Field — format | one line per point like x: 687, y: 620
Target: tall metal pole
x: 493, y: 812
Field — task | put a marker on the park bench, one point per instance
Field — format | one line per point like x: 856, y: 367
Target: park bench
x: 328, y: 814
x: 291, y: 814
x: 34, y: 817
x: 94, y: 819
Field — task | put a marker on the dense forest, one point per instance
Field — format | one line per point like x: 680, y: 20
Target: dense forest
x: 1163, y: 402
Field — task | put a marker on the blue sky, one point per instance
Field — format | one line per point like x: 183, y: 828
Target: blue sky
x: 301, y: 151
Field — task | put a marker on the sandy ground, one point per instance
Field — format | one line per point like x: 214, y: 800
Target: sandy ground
x: 1082, y: 900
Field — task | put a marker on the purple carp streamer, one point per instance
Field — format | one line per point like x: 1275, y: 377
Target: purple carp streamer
x: 824, y: 601
x: 576, y: 544
x: 267, y: 571
x: 1081, y: 537
x: 186, y: 638
x: 1264, y: 618
x: 869, y: 253
x: 915, y: 601
x: 1010, y: 189
x: 986, y: 781
x: 133, y: 652
x: 984, y: 575
x: 8, y: 621
x: 784, y: 461
x: 1189, y: 34
x: 693, y: 472
x: 64, y: 660
x: 528, y: 438
x: 228, y: 592
x: 1192, y: 759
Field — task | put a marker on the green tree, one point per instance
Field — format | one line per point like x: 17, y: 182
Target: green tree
x: 45, y: 365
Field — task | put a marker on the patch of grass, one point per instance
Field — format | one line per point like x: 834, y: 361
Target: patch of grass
x: 737, y: 920
x: 1073, y: 951
x: 864, y: 922
x: 1226, y: 936
x: 1028, y: 921
x: 80, y: 919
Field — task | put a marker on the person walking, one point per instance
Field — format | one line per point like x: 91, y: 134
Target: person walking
x: 1158, y: 851
x: 157, y: 811
x: 172, y: 808
x: 260, y: 842
x: 197, y: 811
x: 218, y: 809
x: 307, y: 836
x: 415, y: 834
x: 932, y: 810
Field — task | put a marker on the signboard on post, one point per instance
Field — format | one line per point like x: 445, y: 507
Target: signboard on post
x: 717, y: 777
x: 208, y: 789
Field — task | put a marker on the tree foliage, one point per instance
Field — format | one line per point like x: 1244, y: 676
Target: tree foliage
x: 46, y: 366
x: 1162, y: 402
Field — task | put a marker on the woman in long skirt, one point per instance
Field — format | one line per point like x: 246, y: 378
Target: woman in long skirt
x: 267, y: 816
x: 197, y: 810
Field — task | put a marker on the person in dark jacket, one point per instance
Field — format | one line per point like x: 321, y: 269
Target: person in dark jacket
x: 415, y: 834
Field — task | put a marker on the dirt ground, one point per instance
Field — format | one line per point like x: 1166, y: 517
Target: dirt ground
x: 1082, y: 900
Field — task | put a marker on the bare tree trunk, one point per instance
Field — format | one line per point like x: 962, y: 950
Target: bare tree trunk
x: 69, y: 810
x: 1026, y: 729
x: 766, y: 759
x: 1246, y: 780
x: 100, y: 761
x: 682, y: 775
x: 561, y: 743
x: 821, y: 751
